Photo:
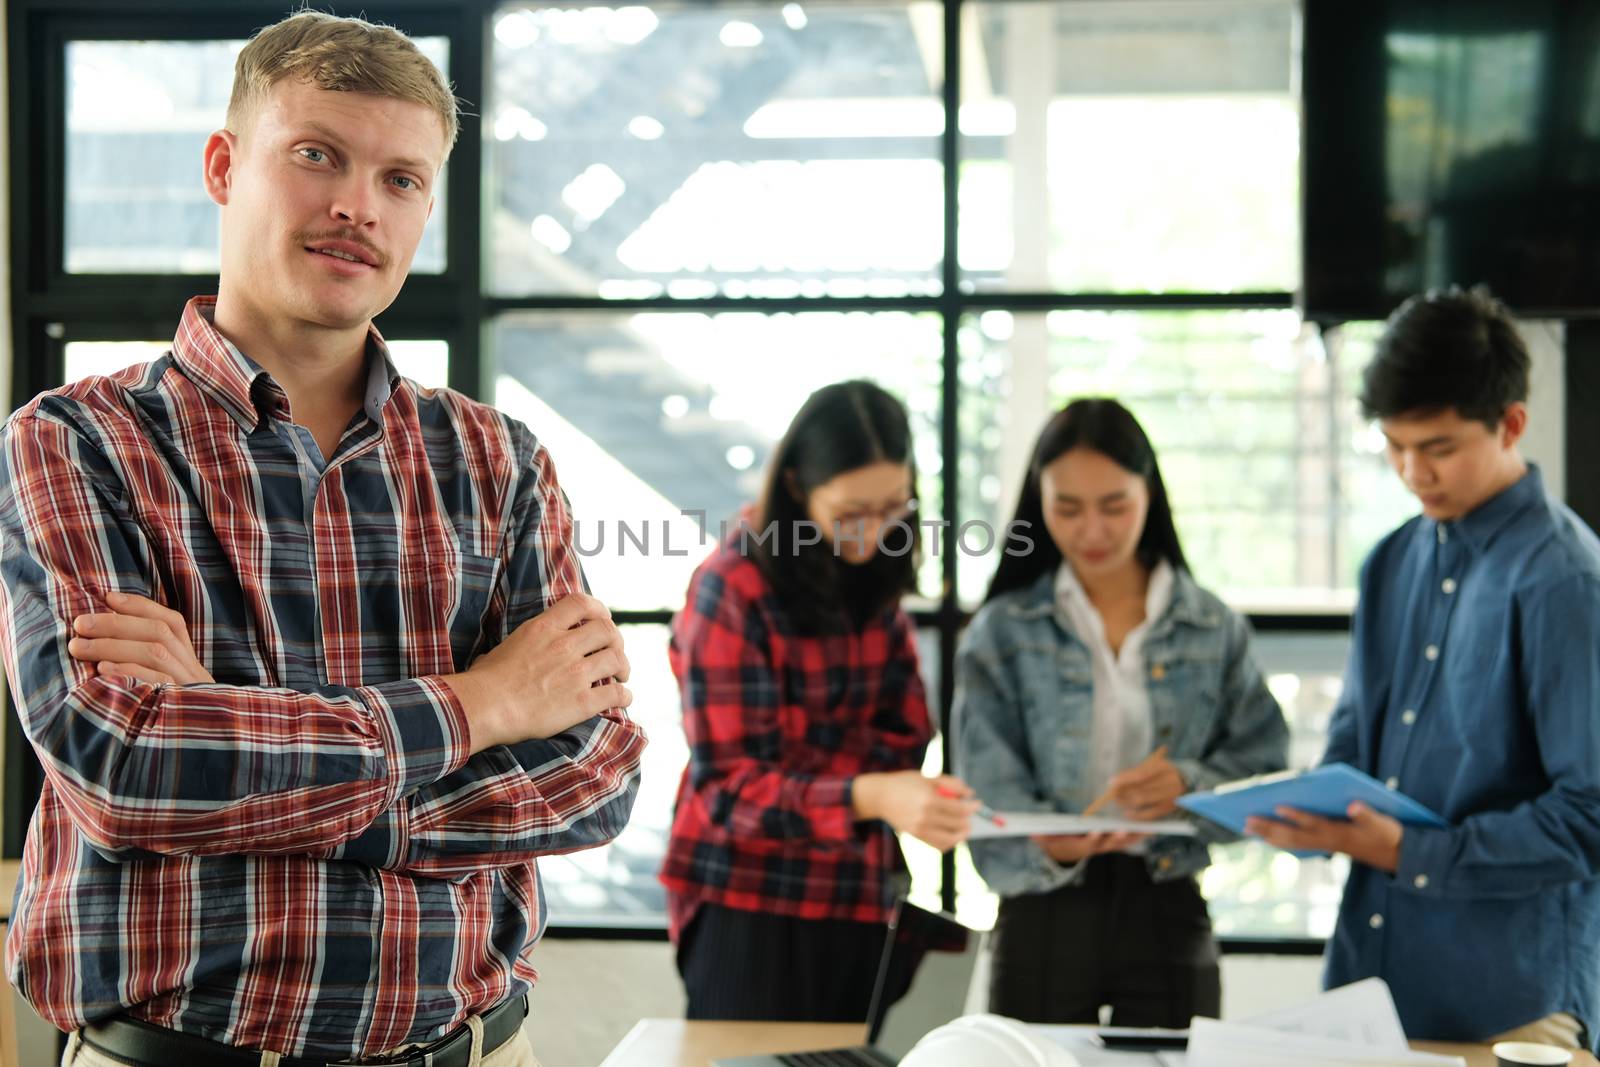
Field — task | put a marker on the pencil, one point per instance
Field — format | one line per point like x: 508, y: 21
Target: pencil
x: 1105, y: 798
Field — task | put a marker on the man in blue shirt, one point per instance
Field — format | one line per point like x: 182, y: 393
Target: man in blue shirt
x: 1474, y: 687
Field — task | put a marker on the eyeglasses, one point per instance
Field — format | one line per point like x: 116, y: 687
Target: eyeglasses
x: 892, y: 514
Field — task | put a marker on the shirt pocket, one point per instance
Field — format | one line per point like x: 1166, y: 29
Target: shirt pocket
x: 472, y: 584
x: 444, y: 600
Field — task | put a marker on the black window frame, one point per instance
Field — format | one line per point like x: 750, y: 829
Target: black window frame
x: 51, y: 308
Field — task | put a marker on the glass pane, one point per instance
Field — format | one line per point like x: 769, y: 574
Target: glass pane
x: 660, y: 424
x: 425, y: 362
x: 138, y: 115
x: 84, y: 358
x: 1135, y: 146
x: 752, y: 149
x: 1278, y: 486
x: 616, y: 884
x: 1256, y: 890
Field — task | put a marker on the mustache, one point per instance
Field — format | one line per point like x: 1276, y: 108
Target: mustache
x: 306, y: 237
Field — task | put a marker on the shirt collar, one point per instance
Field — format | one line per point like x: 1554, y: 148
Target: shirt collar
x: 1157, y: 597
x: 1482, y: 524
x: 243, y: 388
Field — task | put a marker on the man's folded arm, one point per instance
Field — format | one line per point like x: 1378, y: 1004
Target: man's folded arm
x: 202, y: 769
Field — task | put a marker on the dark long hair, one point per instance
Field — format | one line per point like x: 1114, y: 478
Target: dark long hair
x: 840, y: 428
x: 1105, y: 426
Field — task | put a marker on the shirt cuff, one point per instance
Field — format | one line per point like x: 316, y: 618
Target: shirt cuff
x: 1424, y: 856
x: 1197, y: 777
x: 828, y: 808
x: 425, y: 735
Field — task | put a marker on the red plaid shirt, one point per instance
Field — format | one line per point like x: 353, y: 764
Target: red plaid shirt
x: 779, y: 725
x: 300, y: 857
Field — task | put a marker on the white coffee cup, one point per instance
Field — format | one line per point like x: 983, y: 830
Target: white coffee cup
x: 1529, y: 1054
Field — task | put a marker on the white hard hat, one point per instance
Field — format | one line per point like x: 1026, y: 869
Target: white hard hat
x: 991, y: 1040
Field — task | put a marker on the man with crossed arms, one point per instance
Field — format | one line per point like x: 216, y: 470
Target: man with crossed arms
x: 308, y: 835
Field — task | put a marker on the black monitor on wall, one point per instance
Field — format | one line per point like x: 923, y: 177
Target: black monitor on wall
x: 1451, y: 142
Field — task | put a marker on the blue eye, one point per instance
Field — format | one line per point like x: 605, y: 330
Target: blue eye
x: 316, y: 155
x: 411, y: 183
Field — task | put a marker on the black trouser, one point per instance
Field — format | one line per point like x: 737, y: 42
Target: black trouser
x: 751, y: 965
x: 1145, y: 948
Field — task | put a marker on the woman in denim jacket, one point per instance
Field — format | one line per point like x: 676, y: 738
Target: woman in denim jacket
x: 1097, y: 667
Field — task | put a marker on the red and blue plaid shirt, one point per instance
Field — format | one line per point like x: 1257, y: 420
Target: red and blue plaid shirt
x: 779, y: 724
x: 301, y: 857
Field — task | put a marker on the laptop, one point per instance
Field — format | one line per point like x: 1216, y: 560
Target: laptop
x: 923, y: 974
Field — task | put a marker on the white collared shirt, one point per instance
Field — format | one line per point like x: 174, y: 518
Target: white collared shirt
x: 1123, y: 731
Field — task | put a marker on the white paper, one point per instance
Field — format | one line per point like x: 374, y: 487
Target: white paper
x: 1027, y: 823
x: 1352, y: 1026
x: 1218, y: 1044
x: 1362, y: 1012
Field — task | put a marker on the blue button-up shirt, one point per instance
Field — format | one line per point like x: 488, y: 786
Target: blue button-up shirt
x: 1474, y: 687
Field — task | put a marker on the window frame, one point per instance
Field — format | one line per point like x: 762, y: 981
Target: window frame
x: 51, y: 308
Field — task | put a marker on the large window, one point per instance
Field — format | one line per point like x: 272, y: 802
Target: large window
x: 665, y: 224
x: 137, y: 115
x: 1278, y: 486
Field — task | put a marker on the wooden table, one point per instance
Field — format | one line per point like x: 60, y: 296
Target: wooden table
x: 1480, y: 1056
x: 677, y: 1043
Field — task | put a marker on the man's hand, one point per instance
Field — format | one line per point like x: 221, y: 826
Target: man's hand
x: 935, y: 810
x: 549, y: 674
x: 1073, y: 848
x: 1368, y: 837
x: 1148, y: 790
x: 139, y: 639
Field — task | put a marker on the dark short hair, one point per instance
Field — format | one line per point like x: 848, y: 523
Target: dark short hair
x: 1101, y: 425
x: 1447, y: 349
x: 840, y: 428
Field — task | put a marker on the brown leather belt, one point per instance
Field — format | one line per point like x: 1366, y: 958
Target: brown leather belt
x: 155, y: 1046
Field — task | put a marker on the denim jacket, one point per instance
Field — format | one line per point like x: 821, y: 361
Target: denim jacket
x: 1023, y: 716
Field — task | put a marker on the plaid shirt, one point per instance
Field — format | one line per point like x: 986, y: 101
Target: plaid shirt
x: 300, y: 857
x: 779, y: 724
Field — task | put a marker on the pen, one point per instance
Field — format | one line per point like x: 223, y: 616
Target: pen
x: 984, y: 810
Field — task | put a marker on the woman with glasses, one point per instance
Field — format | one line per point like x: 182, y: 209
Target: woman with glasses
x: 1099, y: 674
x: 807, y: 725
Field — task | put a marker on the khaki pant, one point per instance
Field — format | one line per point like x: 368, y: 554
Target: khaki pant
x: 514, y: 1053
x: 1559, y: 1029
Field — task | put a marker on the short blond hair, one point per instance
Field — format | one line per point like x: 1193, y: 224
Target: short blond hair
x: 347, y: 55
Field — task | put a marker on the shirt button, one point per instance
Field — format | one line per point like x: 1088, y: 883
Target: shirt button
x: 1420, y: 881
x: 1392, y: 783
x: 1376, y: 922
x: 1409, y: 716
x: 1444, y: 535
x: 1448, y: 585
x: 1431, y: 653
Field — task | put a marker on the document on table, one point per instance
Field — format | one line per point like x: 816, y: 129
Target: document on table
x: 1028, y: 823
x: 1362, y: 1012
x: 1352, y: 1026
